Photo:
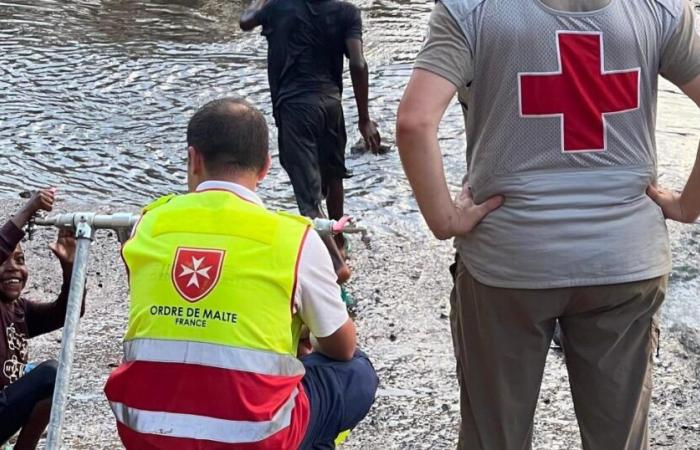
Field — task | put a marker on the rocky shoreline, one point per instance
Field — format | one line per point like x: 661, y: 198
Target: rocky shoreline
x: 402, y: 288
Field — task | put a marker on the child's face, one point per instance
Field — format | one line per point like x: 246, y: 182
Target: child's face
x: 13, y: 276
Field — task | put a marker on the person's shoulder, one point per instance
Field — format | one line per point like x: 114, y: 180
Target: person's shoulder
x: 345, y: 5
x: 673, y: 7
x: 277, y: 9
x: 272, y: 5
x: 157, y: 203
x: 461, y: 8
x: 345, y: 9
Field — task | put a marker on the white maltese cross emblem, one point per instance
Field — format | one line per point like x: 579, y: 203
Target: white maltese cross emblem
x: 196, y: 272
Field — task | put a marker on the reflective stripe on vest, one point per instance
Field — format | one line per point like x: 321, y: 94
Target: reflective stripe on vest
x: 202, y: 427
x: 212, y: 355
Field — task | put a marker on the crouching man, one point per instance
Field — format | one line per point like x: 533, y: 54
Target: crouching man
x: 220, y: 289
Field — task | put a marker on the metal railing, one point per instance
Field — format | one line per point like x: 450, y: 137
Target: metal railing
x: 85, y: 224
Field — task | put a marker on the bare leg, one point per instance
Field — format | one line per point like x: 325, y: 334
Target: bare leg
x: 335, y: 198
x: 341, y: 269
x: 335, y: 203
x: 31, y: 431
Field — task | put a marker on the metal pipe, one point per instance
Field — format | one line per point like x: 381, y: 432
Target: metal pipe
x: 123, y: 224
x: 70, y: 330
x: 111, y: 221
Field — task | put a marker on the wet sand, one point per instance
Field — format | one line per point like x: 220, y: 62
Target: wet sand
x: 402, y: 287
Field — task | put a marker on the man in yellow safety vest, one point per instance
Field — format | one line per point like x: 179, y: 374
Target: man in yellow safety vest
x: 220, y: 289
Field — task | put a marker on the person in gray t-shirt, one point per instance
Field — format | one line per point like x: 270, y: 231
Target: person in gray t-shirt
x: 562, y: 217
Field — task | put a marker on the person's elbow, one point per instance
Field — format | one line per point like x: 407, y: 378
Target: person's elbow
x: 247, y: 23
x: 411, y: 124
x: 357, y: 65
x: 344, y: 351
x: 440, y: 230
x: 345, y: 354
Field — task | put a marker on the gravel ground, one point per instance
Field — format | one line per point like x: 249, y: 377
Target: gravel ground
x: 402, y: 287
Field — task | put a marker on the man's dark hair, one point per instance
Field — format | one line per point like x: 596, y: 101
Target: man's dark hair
x: 231, y: 135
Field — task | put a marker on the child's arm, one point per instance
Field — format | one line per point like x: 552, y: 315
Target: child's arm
x: 11, y: 233
x: 46, y: 317
x: 42, y: 199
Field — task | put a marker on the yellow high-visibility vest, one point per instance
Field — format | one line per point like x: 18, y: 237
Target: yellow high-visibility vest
x: 212, y: 279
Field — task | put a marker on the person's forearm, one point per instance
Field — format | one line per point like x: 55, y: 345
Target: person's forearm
x: 44, y: 317
x: 359, y: 73
x: 690, y: 198
x: 424, y: 103
x: 422, y: 162
x: 22, y: 217
x: 67, y: 271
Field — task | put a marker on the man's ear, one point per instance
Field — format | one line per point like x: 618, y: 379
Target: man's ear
x: 195, y: 161
x: 195, y: 168
x: 265, y: 169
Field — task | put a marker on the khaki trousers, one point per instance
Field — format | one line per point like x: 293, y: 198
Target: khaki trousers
x: 501, y: 339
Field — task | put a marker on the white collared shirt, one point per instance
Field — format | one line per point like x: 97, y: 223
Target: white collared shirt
x: 317, y: 299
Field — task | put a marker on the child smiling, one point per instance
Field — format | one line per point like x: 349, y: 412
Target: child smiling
x: 25, y: 397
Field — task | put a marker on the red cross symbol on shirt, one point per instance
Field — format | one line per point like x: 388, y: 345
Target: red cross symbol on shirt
x: 581, y: 92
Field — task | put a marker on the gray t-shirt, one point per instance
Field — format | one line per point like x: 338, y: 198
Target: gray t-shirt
x: 573, y: 161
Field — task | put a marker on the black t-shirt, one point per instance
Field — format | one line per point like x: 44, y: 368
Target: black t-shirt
x: 306, y: 46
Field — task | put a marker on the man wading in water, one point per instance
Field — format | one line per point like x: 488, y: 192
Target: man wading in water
x: 307, y: 40
x: 562, y: 217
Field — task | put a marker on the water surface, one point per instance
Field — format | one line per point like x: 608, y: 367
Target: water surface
x: 95, y: 96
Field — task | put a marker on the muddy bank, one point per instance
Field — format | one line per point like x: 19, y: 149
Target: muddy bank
x: 402, y: 287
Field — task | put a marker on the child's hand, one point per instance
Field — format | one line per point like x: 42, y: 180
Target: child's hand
x: 64, y: 248
x: 42, y: 199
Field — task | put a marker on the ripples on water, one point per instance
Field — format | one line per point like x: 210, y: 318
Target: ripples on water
x: 95, y: 97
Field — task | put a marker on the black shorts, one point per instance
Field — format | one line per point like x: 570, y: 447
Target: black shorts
x: 17, y: 400
x: 312, y: 148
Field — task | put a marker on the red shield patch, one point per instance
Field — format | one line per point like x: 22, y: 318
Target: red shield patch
x: 196, y: 271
